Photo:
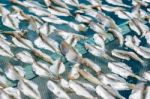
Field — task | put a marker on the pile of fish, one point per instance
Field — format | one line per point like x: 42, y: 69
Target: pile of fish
x: 83, y: 21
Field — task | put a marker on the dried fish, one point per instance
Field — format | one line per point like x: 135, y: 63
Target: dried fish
x: 98, y: 29
x: 14, y: 73
x: 139, y: 27
x: 87, y: 86
x: 87, y: 62
x: 3, y: 82
x: 95, y: 3
x: 89, y: 77
x: 10, y: 93
x: 34, y: 23
x: 4, y: 11
x: 25, y: 57
x: 74, y: 73
x: 46, y: 29
x: 107, y: 92
x: 10, y: 21
x: 72, y: 40
x: 133, y: 43
x: 39, y: 11
x: 72, y: 2
x: 29, y: 88
x: 18, y: 13
x: 123, y: 70
x: 27, y: 3
x: 83, y: 19
x: 147, y: 92
x: 5, y: 48
x: 46, y: 43
x: 99, y: 40
x: 119, y: 36
x: 45, y: 19
x: 51, y: 19
x: 117, y: 3
x: 111, y: 8
x: 127, y: 55
x: 69, y: 52
x: 106, y: 21
x: 47, y: 2
x: 41, y: 69
x: 97, y: 51
x: 62, y: 10
x: 147, y: 37
x: 146, y: 75
x: 79, y: 90
x: 65, y: 35
x: 57, y: 12
x: 60, y: 3
x: 57, y: 90
x: 65, y: 85
x: 123, y: 14
x: 80, y: 27
x: 115, y: 81
x: 57, y: 68
x: 137, y: 92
